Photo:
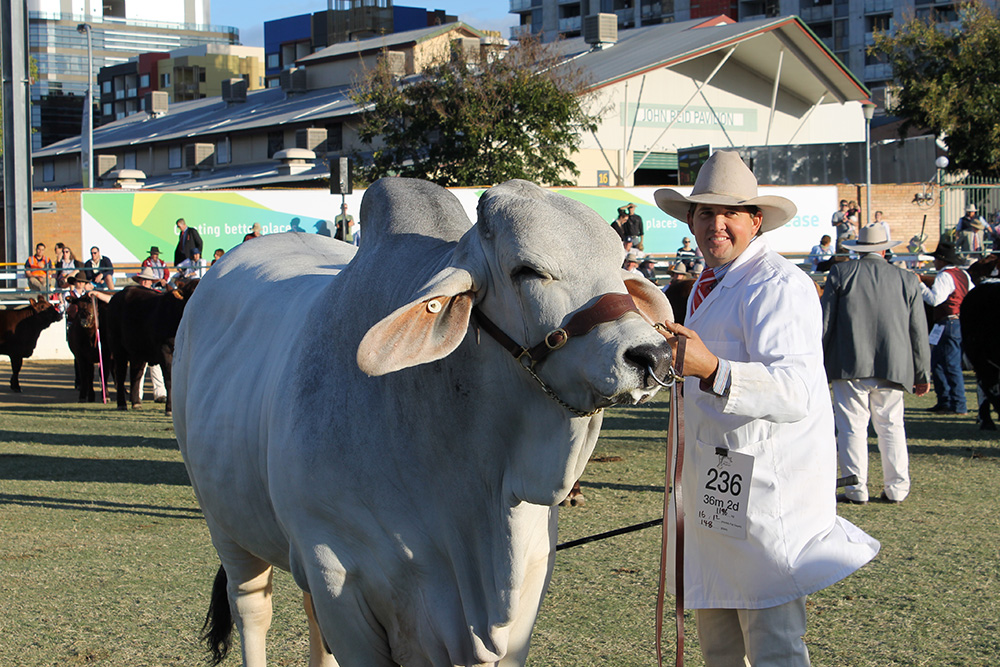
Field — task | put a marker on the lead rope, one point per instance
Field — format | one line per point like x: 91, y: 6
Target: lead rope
x: 675, y: 433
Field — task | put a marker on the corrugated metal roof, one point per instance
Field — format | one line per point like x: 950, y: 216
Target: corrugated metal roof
x: 810, y: 72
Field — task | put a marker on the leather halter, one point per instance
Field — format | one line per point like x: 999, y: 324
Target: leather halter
x: 608, y: 308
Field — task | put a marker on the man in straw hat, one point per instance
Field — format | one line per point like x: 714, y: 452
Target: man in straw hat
x: 969, y: 230
x: 875, y: 346
x: 945, y: 296
x: 759, y: 430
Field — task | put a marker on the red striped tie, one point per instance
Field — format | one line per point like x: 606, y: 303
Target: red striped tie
x: 706, y: 283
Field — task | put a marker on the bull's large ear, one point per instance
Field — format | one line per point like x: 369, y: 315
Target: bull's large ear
x: 426, y: 329
x: 649, y: 299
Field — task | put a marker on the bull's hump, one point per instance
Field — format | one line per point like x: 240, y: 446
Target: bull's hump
x: 408, y: 206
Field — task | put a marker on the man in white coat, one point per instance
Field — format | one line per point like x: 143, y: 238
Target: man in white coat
x: 760, y: 462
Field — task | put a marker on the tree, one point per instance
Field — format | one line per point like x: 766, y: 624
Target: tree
x: 947, y: 81
x: 464, y: 123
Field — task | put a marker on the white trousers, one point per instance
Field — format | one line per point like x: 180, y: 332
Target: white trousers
x: 855, y: 402
x: 156, y: 376
x: 769, y: 637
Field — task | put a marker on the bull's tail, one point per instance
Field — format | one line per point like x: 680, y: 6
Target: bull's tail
x: 217, y: 632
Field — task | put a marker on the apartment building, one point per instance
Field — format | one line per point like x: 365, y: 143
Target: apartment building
x: 119, y: 30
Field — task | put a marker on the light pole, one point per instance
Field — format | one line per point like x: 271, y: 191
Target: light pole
x: 87, y: 138
x: 869, y: 111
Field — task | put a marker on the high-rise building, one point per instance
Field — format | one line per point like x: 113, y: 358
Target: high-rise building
x: 288, y: 39
x: 120, y: 30
x: 846, y: 27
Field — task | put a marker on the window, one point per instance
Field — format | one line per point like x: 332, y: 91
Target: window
x: 48, y: 172
x: 201, y: 74
x: 222, y: 151
x: 273, y: 61
x: 335, y: 137
x: 174, y: 155
x: 275, y: 142
x: 129, y: 160
x: 144, y: 81
x: 106, y: 86
x: 106, y: 109
x: 165, y: 80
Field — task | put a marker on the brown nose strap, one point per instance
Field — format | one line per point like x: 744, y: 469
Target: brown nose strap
x: 608, y: 308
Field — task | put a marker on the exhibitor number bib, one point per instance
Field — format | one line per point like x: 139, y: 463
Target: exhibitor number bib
x: 723, y: 492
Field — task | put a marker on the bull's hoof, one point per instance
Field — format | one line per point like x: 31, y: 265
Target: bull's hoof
x: 83, y: 399
x: 987, y: 426
x: 16, y: 388
x: 168, y: 412
x: 123, y: 407
x: 577, y: 501
x: 137, y: 406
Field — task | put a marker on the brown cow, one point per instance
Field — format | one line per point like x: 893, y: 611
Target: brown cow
x: 19, y: 330
x: 81, y: 335
x: 142, y: 326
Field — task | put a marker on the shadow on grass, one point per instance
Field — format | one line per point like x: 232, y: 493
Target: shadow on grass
x: 88, y: 440
x: 621, y: 487
x: 30, y: 467
x: 101, y: 506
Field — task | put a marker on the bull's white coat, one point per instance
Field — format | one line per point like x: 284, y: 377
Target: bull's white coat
x: 415, y: 503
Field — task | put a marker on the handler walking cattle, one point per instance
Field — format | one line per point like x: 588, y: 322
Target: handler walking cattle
x: 379, y: 439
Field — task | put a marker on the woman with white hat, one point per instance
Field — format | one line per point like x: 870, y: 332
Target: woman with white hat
x: 760, y: 439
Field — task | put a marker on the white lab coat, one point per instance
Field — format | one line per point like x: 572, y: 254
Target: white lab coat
x: 765, y: 318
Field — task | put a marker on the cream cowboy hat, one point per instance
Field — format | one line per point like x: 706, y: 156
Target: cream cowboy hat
x: 871, y: 238
x: 145, y: 274
x: 726, y: 180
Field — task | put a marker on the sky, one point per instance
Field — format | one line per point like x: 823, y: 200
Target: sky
x: 249, y: 15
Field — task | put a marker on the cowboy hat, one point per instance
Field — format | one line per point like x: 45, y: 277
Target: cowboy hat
x: 630, y: 257
x: 153, y: 250
x: 679, y: 269
x: 145, y: 274
x: 977, y: 224
x: 726, y: 180
x: 945, y: 252
x: 971, y: 208
x: 872, y: 238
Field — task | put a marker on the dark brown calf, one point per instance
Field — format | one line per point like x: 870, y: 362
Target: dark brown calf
x: 19, y: 331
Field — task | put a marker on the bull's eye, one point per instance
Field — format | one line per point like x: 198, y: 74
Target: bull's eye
x: 525, y: 272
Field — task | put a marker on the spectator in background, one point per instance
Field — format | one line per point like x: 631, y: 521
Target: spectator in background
x: 821, y: 256
x: 190, y: 268
x: 35, y: 269
x: 853, y: 209
x: 99, y: 270
x: 219, y: 252
x: 647, y: 267
x: 969, y: 230
x: 631, y: 264
x: 255, y: 231
x: 945, y: 296
x: 620, y: 223
x: 875, y: 348
x: 840, y: 215
x: 187, y: 240
x: 67, y: 265
x: 686, y: 253
x: 343, y: 224
x: 633, y: 226
x: 157, y: 267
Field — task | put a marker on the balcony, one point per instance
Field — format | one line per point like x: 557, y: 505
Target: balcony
x: 520, y: 5
x: 880, y: 71
x: 519, y: 31
x: 879, y: 6
x: 570, y: 24
x: 820, y: 13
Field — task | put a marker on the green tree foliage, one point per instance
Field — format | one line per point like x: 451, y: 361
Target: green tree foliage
x: 948, y: 80
x: 464, y: 123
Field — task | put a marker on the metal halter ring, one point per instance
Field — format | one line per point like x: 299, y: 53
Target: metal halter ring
x: 670, y: 379
x: 560, y: 339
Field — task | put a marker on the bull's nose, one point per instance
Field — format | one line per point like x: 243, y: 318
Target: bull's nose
x: 651, y: 358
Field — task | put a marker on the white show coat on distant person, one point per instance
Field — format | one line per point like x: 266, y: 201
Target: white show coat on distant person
x: 765, y: 318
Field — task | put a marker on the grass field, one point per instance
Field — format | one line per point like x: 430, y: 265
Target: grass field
x: 105, y: 559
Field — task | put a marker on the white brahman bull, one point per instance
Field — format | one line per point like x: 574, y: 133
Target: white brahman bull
x: 347, y: 422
